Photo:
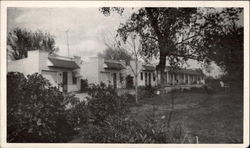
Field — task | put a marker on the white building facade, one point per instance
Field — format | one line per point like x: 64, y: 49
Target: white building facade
x: 146, y: 74
x: 110, y: 72
x: 183, y: 77
x: 62, y: 72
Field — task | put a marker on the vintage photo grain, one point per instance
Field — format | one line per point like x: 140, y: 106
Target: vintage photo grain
x: 125, y: 75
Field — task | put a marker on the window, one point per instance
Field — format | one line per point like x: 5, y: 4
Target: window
x: 74, y: 78
x: 141, y: 75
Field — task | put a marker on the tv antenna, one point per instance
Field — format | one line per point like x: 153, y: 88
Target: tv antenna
x: 67, y: 31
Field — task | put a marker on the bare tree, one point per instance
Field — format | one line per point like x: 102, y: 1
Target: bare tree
x: 128, y: 51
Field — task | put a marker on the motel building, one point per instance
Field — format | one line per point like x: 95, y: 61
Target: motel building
x: 97, y: 70
x: 146, y: 74
x: 62, y: 72
x: 185, y: 77
x: 67, y: 73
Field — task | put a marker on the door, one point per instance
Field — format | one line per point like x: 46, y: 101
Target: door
x: 149, y: 79
x: 146, y: 79
x: 114, y: 80
x: 65, y: 81
x: 129, y: 82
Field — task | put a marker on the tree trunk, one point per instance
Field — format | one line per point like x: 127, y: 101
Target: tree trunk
x: 136, y: 90
x: 136, y: 80
x: 160, y: 68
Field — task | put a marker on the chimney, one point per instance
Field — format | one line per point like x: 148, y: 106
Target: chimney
x: 123, y: 62
x: 77, y: 59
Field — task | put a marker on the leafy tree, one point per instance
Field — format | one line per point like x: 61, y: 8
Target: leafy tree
x: 228, y: 51
x: 176, y: 34
x: 116, y: 54
x: 19, y: 41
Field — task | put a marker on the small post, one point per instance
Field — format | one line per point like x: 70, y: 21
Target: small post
x: 197, y: 140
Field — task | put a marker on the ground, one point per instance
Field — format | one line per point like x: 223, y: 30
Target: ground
x: 213, y: 118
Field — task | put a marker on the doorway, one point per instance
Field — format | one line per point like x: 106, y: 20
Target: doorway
x: 65, y: 81
x: 149, y: 79
x: 114, y: 80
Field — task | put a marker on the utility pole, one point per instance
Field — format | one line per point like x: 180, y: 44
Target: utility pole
x: 67, y: 40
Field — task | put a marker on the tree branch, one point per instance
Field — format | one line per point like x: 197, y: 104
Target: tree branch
x: 187, y: 39
x: 153, y: 21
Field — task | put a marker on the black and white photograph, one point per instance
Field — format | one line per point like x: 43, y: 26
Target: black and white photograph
x: 125, y: 73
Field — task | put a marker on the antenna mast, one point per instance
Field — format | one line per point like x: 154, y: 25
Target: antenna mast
x: 67, y: 40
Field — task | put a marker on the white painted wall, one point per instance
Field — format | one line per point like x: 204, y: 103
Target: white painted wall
x: 90, y: 71
x: 107, y: 78
x: 37, y: 62
x: 43, y: 65
x: 185, y: 79
x: 27, y: 65
x: 141, y: 82
x: 93, y: 70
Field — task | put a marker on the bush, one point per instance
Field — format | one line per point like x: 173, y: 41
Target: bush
x: 124, y: 130
x: 146, y: 92
x: 76, y: 112
x: 35, y: 110
x: 84, y: 84
x: 128, y: 99
x: 104, y: 102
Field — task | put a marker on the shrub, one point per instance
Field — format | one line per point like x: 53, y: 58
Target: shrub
x: 128, y: 99
x: 35, y: 110
x: 104, y: 102
x: 123, y: 130
x: 84, y: 84
x: 146, y: 92
x: 76, y: 111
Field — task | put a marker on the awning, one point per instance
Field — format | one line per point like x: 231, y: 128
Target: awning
x: 113, y: 65
x: 148, y: 68
x: 60, y: 63
x: 186, y: 71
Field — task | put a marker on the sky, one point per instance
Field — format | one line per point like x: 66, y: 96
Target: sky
x: 87, y: 28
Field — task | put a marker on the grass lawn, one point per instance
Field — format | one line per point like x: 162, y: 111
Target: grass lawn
x: 214, y: 118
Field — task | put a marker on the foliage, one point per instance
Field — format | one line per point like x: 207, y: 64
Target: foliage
x: 117, y: 54
x: 146, y: 92
x: 128, y: 99
x: 125, y: 130
x: 179, y: 34
x: 228, y: 51
x: 104, y: 102
x: 84, y: 84
x: 78, y: 115
x: 19, y: 41
x: 35, y: 110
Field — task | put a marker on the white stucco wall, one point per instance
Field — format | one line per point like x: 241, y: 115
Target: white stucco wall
x: 107, y: 78
x: 27, y: 65
x: 139, y: 71
x: 89, y: 71
x: 143, y: 82
x: 93, y: 70
x: 37, y: 62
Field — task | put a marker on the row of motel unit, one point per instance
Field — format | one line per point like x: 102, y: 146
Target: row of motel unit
x: 68, y: 73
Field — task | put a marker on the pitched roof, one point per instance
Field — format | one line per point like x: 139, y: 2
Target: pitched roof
x: 111, y: 64
x: 148, y: 68
x: 61, y: 63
